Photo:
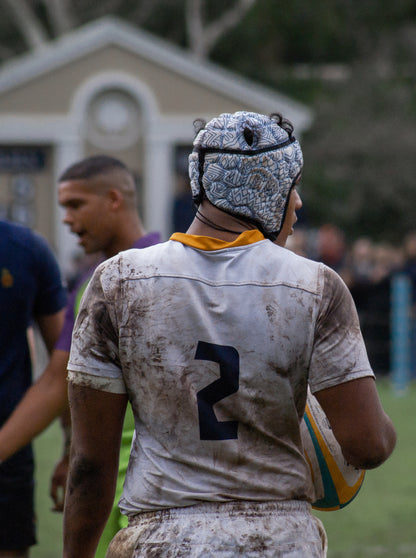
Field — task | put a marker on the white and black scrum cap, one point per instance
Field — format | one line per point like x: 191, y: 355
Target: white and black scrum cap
x: 247, y: 164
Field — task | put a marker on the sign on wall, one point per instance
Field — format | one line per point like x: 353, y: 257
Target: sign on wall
x: 19, y: 167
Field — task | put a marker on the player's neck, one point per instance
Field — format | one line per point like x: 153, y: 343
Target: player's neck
x: 127, y: 234
x: 211, y: 221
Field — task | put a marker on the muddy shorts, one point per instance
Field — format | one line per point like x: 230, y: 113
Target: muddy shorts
x: 250, y: 529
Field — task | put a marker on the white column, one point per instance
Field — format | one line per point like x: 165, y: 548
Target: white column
x: 67, y: 151
x: 158, y: 185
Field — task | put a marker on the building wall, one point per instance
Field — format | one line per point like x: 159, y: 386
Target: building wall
x: 25, y: 187
x: 68, y: 107
x: 53, y: 92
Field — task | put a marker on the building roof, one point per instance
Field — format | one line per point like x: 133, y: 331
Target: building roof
x: 112, y: 31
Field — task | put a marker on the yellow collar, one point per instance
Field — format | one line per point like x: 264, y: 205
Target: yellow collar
x: 209, y: 243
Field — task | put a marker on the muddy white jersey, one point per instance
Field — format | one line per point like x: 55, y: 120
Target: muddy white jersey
x: 215, y: 343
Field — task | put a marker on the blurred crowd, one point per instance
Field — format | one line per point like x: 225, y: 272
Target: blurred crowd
x: 367, y: 268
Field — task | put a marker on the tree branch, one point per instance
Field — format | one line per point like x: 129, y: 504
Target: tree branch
x: 60, y: 15
x: 202, y: 40
x: 26, y: 21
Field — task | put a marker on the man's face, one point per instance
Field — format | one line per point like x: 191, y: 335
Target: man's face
x: 87, y: 213
x: 295, y: 203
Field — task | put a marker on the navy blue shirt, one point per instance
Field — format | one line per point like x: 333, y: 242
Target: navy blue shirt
x: 30, y: 286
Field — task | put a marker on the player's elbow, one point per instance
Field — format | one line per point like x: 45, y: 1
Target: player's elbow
x: 84, y: 471
x: 372, y: 450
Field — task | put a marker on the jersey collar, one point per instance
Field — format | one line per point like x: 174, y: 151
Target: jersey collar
x: 209, y: 243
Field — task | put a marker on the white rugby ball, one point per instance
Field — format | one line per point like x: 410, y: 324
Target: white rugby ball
x: 336, y: 483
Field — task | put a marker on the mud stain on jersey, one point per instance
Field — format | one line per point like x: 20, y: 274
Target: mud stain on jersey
x: 94, y: 325
x: 337, y: 304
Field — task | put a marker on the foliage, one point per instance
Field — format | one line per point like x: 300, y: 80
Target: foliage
x: 359, y: 161
x: 352, y: 63
x: 359, y: 153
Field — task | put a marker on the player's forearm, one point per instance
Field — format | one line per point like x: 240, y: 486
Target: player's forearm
x: 97, y: 421
x: 90, y: 495
x: 42, y: 403
x: 362, y: 428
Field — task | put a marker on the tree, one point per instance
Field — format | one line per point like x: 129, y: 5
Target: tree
x: 40, y: 20
x: 204, y: 37
x: 359, y: 153
x: 29, y: 25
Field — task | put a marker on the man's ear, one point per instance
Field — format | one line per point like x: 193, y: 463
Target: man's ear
x: 115, y: 198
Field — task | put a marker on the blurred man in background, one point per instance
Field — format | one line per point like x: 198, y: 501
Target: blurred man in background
x: 99, y: 197
x: 31, y: 292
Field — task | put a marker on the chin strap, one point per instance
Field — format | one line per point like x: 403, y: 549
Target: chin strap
x: 204, y: 220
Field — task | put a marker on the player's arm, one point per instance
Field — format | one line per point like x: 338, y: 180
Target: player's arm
x: 362, y: 428
x: 50, y: 327
x: 344, y: 382
x: 44, y: 400
x: 42, y: 403
x: 60, y: 472
x: 97, y: 421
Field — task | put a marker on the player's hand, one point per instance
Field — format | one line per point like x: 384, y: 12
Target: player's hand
x: 58, y: 483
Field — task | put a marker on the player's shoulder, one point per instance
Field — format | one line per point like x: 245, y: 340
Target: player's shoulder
x: 296, y: 270
x: 141, y: 255
x: 133, y: 263
x: 24, y: 240
x: 330, y: 284
x: 17, y: 234
x: 334, y: 289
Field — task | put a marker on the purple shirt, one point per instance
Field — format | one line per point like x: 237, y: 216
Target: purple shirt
x: 64, y: 341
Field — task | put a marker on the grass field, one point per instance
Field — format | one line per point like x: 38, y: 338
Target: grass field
x: 379, y: 522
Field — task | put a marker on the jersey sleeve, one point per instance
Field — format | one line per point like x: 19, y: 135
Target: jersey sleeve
x: 339, y: 354
x: 94, y: 359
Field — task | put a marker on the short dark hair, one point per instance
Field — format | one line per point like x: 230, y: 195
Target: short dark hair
x: 92, y: 166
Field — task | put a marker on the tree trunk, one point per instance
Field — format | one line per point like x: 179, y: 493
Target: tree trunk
x: 60, y: 16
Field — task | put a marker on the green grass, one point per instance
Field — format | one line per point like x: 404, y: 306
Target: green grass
x: 48, y: 449
x: 381, y: 519
x: 380, y: 522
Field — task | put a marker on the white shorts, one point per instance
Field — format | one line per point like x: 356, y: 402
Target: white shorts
x: 224, y: 530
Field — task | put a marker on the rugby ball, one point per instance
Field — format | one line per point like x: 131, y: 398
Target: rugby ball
x: 336, y: 483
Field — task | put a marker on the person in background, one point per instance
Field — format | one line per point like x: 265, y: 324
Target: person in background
x: 98, y: 195
x: 31, y: 295
x: 213, y: 337
x: 331, y: 247
x: 409, y: 268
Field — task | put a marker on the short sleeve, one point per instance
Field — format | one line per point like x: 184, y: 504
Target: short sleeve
x: 94, y: 359
x: 339, y: 354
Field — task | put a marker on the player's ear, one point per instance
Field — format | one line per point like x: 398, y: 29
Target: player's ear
x: 115, y: 198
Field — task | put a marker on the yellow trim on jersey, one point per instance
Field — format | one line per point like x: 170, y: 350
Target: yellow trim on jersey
x: 210, y: 243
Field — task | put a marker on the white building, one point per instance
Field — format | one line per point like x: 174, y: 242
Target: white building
x: 110, y: 88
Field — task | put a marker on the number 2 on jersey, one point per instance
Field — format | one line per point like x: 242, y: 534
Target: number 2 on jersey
x: 228, y: 358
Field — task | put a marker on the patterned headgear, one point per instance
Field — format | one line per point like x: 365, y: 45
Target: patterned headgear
x: 246, y: 163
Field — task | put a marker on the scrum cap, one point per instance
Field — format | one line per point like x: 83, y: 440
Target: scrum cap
x: 247, y: 163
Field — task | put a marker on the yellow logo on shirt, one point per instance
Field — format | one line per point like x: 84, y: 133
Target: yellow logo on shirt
x: 6, y: 278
